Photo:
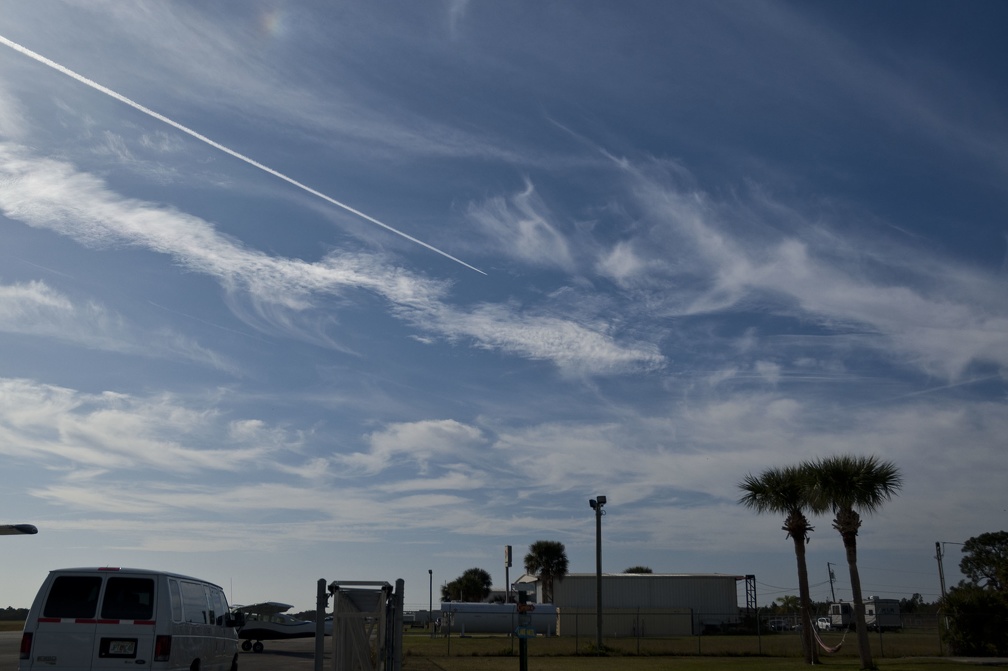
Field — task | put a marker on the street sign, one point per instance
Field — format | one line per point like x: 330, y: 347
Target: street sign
x: 526, y: 607
x: 525, y: 632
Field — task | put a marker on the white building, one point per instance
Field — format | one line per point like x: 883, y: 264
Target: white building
x: 648, y: 604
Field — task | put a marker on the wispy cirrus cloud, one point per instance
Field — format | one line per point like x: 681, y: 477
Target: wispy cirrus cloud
x: 34, y: 308
x: 417, y: 443
x: 223, y: 148
x: 703, y: 256
x: 519, y: 227
x: 52, y: 194
x: 61, y: 428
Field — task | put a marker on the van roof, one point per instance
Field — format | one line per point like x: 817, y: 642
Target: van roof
x: 135, y: 571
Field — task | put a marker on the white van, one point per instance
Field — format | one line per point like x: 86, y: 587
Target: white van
x: 86, y: 619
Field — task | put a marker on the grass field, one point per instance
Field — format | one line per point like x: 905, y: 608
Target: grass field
x: 909, y: 643
x: 912, y: 650
x: 667, y: 664
x: 905, y: 651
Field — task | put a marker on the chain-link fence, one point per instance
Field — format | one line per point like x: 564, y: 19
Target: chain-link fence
x: 686, y: 632
x: 681, y: 631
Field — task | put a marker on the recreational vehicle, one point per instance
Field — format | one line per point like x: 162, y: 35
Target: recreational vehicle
x: 881, y: 614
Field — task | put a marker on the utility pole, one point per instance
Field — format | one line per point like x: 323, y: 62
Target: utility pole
x: 829, y: 569
x: 941, y: 568
x: 321, y: 601
x: 939, y: 555
x: 596, y: 505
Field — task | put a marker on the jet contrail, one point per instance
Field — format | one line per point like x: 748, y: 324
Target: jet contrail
x: 216, y: 145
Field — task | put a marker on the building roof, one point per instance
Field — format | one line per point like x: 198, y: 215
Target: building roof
x: 634, y: 576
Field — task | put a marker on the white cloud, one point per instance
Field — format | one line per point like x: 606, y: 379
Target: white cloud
x: 12, y: 119
x: 53, y: 195
x: 36, y: 309
x: 573, y: 347
x: 456, y: 13
x: 621, y: 263
x: 417, y: 443
x: 769, y: 371
x: 918, y: 309
x: 61, y: 428
x: 520, y: 228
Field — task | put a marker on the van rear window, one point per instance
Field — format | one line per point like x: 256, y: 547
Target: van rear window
x: 73, y: 596
x: 128, y: 599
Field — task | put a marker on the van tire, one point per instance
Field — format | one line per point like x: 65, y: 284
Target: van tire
x: 194, y: 666
x: 234, y: 663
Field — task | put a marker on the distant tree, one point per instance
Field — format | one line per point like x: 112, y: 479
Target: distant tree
x: 473, y: 585
x: 638, y: 569
x: 977, y: 609
x: 784, y: 491
x: 986, y: 560
x: 977, y: 620
x: 911, y: 605
x: 848, y: 486
x: 14, y: 614
x: 548, y: 561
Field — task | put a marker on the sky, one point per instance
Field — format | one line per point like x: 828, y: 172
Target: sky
x: 359, y: 291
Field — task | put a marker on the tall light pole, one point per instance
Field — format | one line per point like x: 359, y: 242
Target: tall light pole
x: 596, y: 505
x: 430, y: 602
x: 507, y: 573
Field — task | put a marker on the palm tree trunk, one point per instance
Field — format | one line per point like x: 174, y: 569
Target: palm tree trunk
x: 864, y: 647
x: 808, y: 640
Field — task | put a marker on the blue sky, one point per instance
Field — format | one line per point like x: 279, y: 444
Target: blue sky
x: 664, y: 245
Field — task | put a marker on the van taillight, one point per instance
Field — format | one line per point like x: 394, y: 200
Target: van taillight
x: 26, y: 641
x: 162, y: 648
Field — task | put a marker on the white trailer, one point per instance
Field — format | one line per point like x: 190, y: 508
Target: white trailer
x: 880, y: 614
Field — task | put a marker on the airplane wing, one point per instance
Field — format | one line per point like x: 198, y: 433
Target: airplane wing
x: 17, y: 529
x: 265, y: 608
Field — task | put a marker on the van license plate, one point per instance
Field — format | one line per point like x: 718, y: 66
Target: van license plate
x: 122, y: 648
x: 118, y: 647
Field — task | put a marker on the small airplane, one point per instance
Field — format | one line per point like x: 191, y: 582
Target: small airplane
x: 17, y: 529
x: 269, y: 621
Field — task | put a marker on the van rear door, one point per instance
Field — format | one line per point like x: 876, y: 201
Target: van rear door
x: 124, y: 632
x: 65, y: 629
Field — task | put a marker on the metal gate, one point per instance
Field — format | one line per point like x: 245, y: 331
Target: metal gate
x: 367, y: 626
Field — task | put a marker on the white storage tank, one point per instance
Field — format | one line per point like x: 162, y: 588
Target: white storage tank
x: 496, y: 618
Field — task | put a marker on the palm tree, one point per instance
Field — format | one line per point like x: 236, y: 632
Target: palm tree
x: 848, y: 486
x: 785, y: 491
x: 548, y: 561
x: 789, y: 603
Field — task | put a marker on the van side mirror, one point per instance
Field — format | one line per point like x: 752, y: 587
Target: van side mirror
x: 235, y: 619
